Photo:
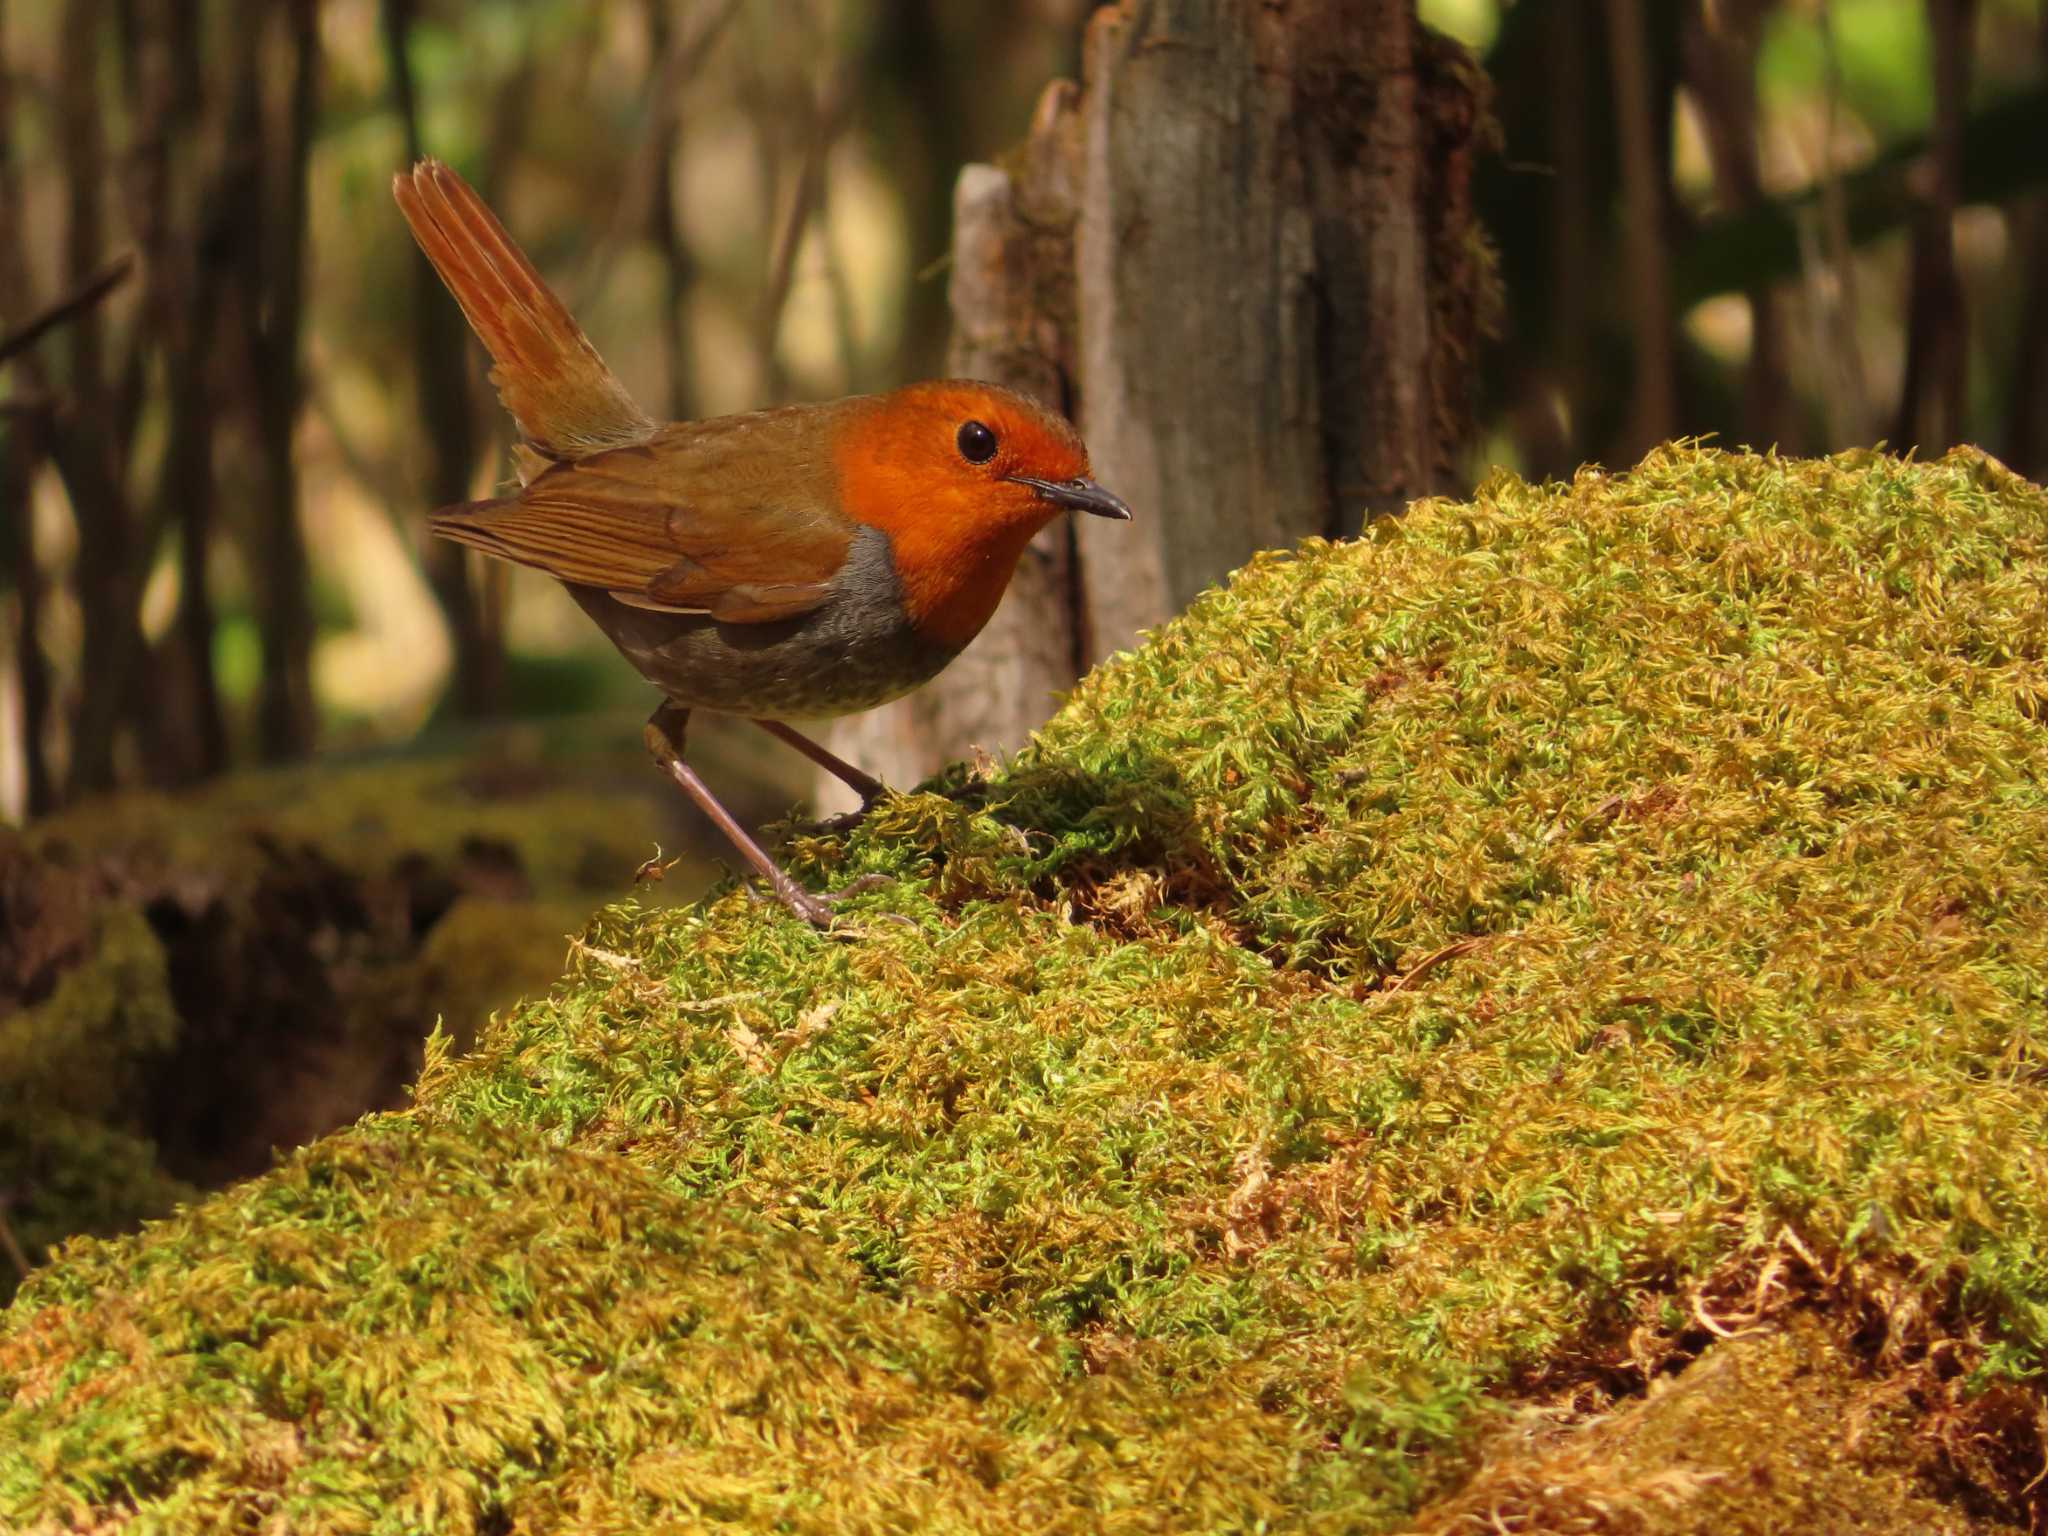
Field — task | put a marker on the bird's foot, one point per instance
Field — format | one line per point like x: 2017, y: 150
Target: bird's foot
x: 846, y: 821
x: 814, y: 907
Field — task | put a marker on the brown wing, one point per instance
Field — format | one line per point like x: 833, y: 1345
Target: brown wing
x: 733, y: 517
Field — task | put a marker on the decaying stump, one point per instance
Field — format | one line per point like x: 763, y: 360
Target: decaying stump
x: 1241, y: 253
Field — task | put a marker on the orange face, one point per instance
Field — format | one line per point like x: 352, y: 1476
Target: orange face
x: 960, y: 476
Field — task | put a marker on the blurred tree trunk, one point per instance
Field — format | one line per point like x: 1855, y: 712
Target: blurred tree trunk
x: 18, y: 568
x: 1242, y: 254
x: 822, y: 114
x: 1721, y: 44
x: 2026, y: 433
x: 646, y: 205
x: 182, y: 239
x: 274, y: 274
x: 678, y: 267
x: 919, y: 89
x: 85, y: 440
x: 20, y: 452
x: 441, y: 369
x: 1827, y: 253
x: 1574, y: 261
x: 2026, y: 429
x: 1932, y: 397
x: 1640, y: 112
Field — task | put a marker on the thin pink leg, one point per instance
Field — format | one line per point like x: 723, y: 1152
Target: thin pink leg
x: 866, y: 785
x: 664, y: 736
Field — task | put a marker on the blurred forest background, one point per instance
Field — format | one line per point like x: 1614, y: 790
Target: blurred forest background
x: 231, y: 390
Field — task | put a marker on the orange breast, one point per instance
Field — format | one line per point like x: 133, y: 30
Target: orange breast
x: 955, y: 536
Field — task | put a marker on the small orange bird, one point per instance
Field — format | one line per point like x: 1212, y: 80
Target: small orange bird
x: 811, y: 560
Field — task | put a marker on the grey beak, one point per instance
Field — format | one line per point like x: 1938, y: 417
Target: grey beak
x: 1078, y: 496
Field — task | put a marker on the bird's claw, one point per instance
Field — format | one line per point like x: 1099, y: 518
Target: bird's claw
x: 972, y: 795
x: 845, y: 821
x: 814, y: 907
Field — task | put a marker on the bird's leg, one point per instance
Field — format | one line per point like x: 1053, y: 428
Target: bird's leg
x: 866, y: 785
x: 664, y: 735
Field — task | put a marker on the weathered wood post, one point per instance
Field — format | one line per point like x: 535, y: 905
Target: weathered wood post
x: 1241, y: 253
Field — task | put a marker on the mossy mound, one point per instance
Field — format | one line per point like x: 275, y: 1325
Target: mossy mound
x: 1579, y: 938
x: 74, y: 1156
x: 555, y: 1303
x: 188, y: 982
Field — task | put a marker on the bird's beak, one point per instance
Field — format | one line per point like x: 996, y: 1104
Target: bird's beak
x: 1078, y: 496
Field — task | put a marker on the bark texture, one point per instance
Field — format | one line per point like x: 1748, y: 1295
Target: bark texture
x: 1241, y: 254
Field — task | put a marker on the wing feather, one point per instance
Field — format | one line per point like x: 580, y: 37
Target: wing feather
x: 733, y: 517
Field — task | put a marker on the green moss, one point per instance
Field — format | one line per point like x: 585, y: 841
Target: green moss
x: 115, y: 1007
x: 422, y: 1332
x: 370, y: 814
x: 189, y: 981
x: 1412, y: 976
x: 70, y: 1160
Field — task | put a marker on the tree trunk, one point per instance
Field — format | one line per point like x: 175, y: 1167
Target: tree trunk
x: 20, y: 451
x: 922, y: 107
x: 181, y: 300
x: 678, y: 266
x: 1241, y: 254
x: 1645, y: 249
x: 1721, y: 47
x: 441, y: 374
x: 2026, y: 432
x: 285, y: 710
x: 85, y: 440
x: 1931, y: 397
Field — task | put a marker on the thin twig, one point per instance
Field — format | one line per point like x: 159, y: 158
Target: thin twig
x: 714, y: 1004
x: 684, y: 56
x: 78, y: 300
x: 1431, y: 962
x: 1835, y: 307
x: 828, y: 117
x: 629, y: 965
x: 10, y: 1247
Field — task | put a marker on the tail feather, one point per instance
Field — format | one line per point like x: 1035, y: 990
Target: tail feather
x: 566, y: 401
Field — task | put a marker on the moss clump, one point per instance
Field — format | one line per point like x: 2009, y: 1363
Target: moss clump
x: 70, y: 1066
x: 189, y: 982
x: 405, y: 1331
x: 506, y: 795
x: 1405, y: 987
x: 1775, y: 1429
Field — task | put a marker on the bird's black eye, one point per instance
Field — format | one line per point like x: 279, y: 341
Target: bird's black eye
x: 977, y: 443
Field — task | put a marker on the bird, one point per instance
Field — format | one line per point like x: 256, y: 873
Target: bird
x: 806, y: 560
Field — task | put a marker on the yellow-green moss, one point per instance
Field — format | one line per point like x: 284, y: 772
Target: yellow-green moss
x: 68, y: 1163
x: 81, y: 1047
x: 340, y: 908
x: 366, y: 815
x: 1404, y: 979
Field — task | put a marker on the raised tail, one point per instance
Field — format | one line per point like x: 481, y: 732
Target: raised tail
x: 566, y: 401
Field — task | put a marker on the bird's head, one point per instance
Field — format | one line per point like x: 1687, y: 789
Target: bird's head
x: 959, y: 476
